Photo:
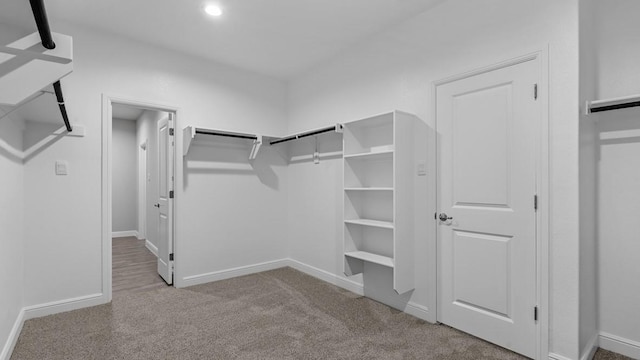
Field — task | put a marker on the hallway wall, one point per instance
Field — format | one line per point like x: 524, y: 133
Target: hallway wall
x: 125, y: 176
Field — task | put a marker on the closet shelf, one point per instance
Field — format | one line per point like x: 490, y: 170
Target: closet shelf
x: 368, y: 189
x: 335, y: 128
x: 44, y: 59
x: 372, y: 223
x: 613, y: 104
x: 372, y: 155
x: 370, y: 257
x: 189, y: 133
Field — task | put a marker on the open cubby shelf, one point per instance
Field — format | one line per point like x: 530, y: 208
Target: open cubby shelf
x: 381, y: 154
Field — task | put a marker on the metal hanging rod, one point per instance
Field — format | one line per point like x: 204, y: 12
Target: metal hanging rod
x: 336, y: 128
x: 613, y: 104
x: 63, y: 109
x: 615, y: 107
x: 40, y: 15
x: 42, y: 22
x: 226, y: 134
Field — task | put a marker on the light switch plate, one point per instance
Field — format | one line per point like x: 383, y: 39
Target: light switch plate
x: 61, y: 167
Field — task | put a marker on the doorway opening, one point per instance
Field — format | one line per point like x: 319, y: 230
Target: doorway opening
x: 138, y: 176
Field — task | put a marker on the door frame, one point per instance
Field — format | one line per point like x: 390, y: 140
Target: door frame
x: 542, y: 185
x: 107, y: 182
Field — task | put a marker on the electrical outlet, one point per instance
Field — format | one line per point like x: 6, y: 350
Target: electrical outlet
x: 422, y: 169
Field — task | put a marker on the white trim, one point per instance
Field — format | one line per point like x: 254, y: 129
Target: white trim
x: 231, y: 273
x: 553, y: 356
x: 620, y: 345
x: 326, y: 276
x: 107, y: 101
x: 151, y: 247
x: 55, y: 307
x: 542, y: 181
x: 590, y: 349
x: 8, y: 347
x: 128, y: 233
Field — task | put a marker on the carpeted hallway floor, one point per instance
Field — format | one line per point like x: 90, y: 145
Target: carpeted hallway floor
x: 279, y: 314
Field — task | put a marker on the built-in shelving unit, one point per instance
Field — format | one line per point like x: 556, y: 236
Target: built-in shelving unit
x: 380, y: 159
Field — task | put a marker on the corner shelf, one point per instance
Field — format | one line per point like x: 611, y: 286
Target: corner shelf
x: 381, y: 186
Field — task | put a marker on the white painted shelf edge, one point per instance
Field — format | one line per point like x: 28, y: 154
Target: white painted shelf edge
x: 632, y: 100
x: 369, y: 154
x: 368, y: 189
x: 372, y: 223
x: 372, y: 258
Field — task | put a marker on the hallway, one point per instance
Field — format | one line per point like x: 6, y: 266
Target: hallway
x: 134, y: 267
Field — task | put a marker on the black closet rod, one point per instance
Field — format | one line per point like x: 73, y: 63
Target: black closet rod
x: 40, y: 15
x: 299, y: 136
x: 216, y: 133
x: 615, y: 106
x: 63, y: 109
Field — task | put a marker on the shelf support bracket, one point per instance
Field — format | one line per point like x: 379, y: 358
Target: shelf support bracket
x: 188, y: 134
x: 257, y: 143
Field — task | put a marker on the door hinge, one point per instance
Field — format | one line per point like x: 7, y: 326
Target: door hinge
x: 170, y: 131
x: 535, y: 91
x: 535, y: 202
x: 171, y: 194
x: 435, y: 215
x: 535, y: 312
x: 171, y: 257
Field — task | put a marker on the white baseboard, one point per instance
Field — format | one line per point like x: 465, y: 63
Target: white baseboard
x: 119, y: 234
x: 590, y: 349
x: 8, y: 347
x: 620, y: 345
x: 151, y: 247
x: 411, y: 308
x: 553, y: 356
x: 231, y: 273
x: 327, y: 276
x: 55, y: 307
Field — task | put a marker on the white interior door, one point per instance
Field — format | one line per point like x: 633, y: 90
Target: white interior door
x: 165, y: 198
x: 487, y: 126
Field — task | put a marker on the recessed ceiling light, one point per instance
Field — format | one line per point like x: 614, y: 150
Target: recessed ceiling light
x: 213, y: 10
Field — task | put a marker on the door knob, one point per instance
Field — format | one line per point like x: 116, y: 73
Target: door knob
x: 157, y: 205
x: 444, y: 217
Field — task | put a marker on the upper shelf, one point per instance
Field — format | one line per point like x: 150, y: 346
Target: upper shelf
x: 613, y: 104
x: 189, y: 133
x: 38, y: 67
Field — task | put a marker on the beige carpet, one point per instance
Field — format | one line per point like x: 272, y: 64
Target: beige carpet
x: 279, y: 314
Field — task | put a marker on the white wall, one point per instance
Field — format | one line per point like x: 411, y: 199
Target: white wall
x: 11, y: 231
x: 588, y: 194
x: 125, y: 176
x: 395, y: 69
x: 618, y: 172
x: 63, y: 243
